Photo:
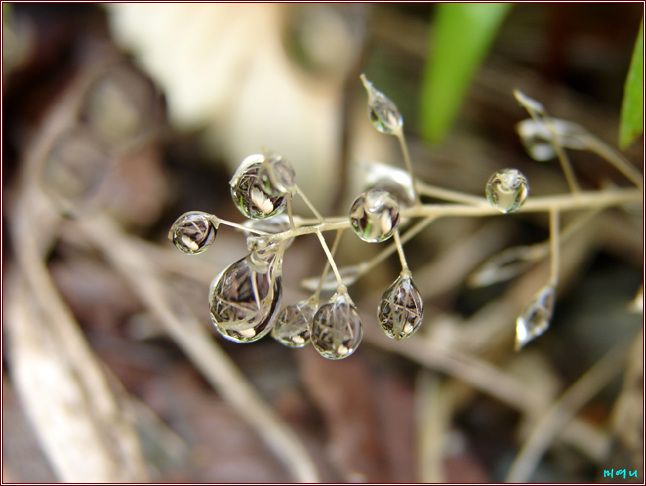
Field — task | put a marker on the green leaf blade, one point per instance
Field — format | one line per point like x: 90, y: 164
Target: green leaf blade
x: 632, y: 108
x: 463, y: 33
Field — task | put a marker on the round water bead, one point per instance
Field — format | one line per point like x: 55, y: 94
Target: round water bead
x: 244, y: 299
x: 248, y: 193
x: 507, y: 190
x: 277, y: 176
x: 535, y: 318
x: 193, y: 232
x: 401, y: 310
x: 374, y: 215
x: 336, y: 328
x: 292, y: 327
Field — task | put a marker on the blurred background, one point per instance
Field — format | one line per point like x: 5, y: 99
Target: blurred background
x: 118, y: 118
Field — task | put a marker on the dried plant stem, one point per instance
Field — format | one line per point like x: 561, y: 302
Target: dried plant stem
x: 290, y: 212
x: 540, y: 115
x: 326, y: 268
x: 541, y: 204
x: 554, y: 247
x: 309, y: 204
x: 563, y: 411
x: 606, y: 152
x: 401, y: 138
x: 400, y: 251
x: 133, y: 264
x: 450, y: 195
x: 341, y: 288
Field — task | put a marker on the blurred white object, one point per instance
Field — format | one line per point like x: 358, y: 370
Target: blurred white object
x: 224, y: 68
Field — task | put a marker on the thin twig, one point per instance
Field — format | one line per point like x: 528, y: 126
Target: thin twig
x: 199, y: 346
x: 563, y: 410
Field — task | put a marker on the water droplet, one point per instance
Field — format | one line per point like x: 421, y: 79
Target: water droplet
x: 505, y: 265
x: 384, y: 114
x: 535, y: 318
x: 277, y: 176
x: 243, y: 301
x: 193, y: 232
x: 248, y: 193
x: 292, y: 327
x: 401, y: 310
x: 374, y: 215
x: 538, y: 141
x: 336, y: 328
x: 507, y: 190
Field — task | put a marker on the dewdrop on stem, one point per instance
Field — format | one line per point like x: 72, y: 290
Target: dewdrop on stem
x: 383, y: 113
x: 245, y: 297
x: 249, y: 193
x: 336, y: 328
x: 292, y: 327
x: 401, y: 310
x: 507, y: 190
x: 374, y: 215
x: 193, y: 232
x: 535, y: 318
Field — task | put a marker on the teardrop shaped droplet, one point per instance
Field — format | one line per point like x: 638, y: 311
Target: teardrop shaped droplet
x: 401, y: 310
x: 507, y: 190
x: 193, y: 232
x: 374, y: 215
x: 243, y: 301
x: 383, y: 113
x: 248, y: 193
x: 535, y: 318
x: 277, y: 176
x: 336, y: 328
x: 292, y: 327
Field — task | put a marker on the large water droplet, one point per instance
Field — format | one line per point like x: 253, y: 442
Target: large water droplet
x: 336, y: 329
x: 243, y: 300
x: 507, y: 190
x: 535, y: 318
x: 193, y: 232
x: 277, y: 176
x: 401, y: 310
x: 292, y: 327
x: 374, y: 215
x: 248, y: 193
x: 383, y: 113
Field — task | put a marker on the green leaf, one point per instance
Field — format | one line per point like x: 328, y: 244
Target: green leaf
x: 462, y: 35
x: 632, y: 107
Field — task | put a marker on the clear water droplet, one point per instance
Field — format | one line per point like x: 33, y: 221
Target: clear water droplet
x: 336, y: 328
x: 383, y: 113
x: 243, y: 300
x: 248, y: 193
x: 401, y: 310
x: 535, y: 318
x: 374, y: 215
x: 507, y: 190
x: 292, y: 327
x: 277, y: 176
x: 193, y: 232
